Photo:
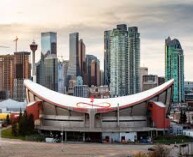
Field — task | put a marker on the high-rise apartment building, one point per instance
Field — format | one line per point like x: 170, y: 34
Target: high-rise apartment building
x: 122, y: 60
x: 143, y: 71
x: 13, y: 70
x: 134, y: 59
x: 6, y: 75
x: 174, y: 68
x: 119, y: 61
x: 22, y: 70
x: 161, y: 80
x: 149, y: 81
x: 48, y: 44
x: 188, y: 90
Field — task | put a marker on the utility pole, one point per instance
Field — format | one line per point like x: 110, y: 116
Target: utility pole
x: 62, y: 136
x: 118, y: 114
x: 15, y: 40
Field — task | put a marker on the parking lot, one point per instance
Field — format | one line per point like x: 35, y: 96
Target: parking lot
x: 17, y: 148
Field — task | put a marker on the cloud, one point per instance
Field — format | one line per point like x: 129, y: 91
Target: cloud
x: 156, y: 19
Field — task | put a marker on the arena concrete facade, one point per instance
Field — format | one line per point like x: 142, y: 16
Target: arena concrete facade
x: 126, y: 118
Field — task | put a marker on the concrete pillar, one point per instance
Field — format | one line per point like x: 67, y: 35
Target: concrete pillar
x: 65, y: 133
x: 83, y: 138
x: 151, y: 134
x: 92, y: 113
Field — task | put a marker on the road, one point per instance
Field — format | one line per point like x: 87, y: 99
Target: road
x: 17, y: 148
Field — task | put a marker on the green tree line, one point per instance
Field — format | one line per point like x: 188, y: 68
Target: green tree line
x: 24, y: 126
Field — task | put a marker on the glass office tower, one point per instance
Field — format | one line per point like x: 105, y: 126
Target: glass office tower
x: 47, y: 68
x: 48, y: 43
x: 174, y: 68
x: 73, y: 69
x: 51, y: 72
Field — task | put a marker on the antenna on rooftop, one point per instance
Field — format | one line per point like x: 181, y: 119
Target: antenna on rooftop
x: 15, y: 40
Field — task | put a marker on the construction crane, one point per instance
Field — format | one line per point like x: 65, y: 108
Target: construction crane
x: 15, y: 40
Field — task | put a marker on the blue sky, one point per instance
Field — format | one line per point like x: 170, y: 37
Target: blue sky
x: 156, y: 19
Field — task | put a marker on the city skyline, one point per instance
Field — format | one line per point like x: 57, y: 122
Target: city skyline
x: 156, y: 21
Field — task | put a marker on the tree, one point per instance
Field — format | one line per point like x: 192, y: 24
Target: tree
x: 14, y: 129
x: 20, y: 114
x: 30, y: 123
x: 8, y: 120
x: 25, y: 124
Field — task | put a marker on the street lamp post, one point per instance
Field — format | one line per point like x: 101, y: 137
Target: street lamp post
x: 62, y: 136
x: 0, y: 132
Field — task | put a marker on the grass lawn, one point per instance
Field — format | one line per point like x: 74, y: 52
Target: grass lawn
x: 7, y: 133
x: 171, y: 139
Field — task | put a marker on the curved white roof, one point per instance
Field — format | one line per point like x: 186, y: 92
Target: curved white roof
x: 68, y: 101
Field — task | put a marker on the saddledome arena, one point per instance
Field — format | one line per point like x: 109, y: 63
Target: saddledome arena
x: 125, y: 118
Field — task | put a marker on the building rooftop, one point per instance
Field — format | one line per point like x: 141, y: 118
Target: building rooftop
x: 67, y: 101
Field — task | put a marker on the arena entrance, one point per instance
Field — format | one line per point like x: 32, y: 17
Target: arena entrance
x: 93, y: 137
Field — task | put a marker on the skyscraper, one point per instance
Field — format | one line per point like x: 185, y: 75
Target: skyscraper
x: 73, y: 69
x: 6, y: 75
x: 22, y: 70
x: 47, y: 68
x: 119, y: 61
x: 48, y: 43
x: 51, y: 72
x: 134, y: 59
x: 81, y: 55
x: 62, y: 76
x: 122, y: 60
x: 93, y: 70
x: 107, y: 57
x: 174, y: 67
